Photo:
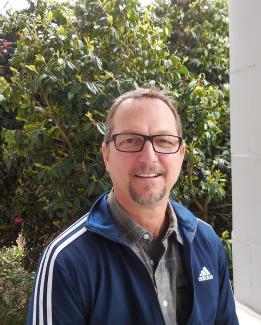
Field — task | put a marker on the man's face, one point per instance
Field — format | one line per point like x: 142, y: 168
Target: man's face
x: 144, y: 177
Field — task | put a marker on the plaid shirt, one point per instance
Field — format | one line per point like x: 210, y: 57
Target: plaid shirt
x: 162, y: 258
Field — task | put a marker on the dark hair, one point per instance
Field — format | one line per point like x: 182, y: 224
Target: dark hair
x: 136, y: 94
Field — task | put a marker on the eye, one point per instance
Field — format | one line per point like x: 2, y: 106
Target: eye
x: 162, y: 141
x: 129, y: 140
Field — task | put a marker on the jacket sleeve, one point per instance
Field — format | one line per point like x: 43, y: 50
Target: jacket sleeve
x: 53, y: 301
x: 226, y: 311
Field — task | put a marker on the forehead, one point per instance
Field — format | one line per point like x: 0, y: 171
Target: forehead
x: 143, y: 115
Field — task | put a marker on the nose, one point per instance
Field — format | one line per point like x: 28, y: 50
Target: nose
x: 148, y: 154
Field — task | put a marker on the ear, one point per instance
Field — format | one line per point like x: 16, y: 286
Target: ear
x: 182, y: 150
x: 105, y: 155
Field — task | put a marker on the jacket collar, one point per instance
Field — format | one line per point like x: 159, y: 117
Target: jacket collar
x: 101, y: 221
x: 187, y: 222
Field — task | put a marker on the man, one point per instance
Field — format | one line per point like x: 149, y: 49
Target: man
x: 136, y: 257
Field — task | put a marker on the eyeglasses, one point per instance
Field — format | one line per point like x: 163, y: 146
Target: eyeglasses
x: 131, y: 142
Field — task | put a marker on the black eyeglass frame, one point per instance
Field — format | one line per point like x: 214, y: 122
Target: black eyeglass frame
x: 147, y: 138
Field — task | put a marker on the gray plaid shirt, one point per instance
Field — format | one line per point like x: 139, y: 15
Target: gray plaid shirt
x: 162, y: 258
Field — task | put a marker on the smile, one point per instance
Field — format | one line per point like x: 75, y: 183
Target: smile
x: 147, y: 175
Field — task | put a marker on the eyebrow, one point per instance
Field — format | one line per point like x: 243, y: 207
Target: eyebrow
x: 160, y: 132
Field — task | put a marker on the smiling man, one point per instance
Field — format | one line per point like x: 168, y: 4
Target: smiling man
x: 143, y: 170
x: 137, y: 257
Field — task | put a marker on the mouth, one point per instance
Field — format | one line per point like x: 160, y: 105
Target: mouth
x: 151, y: 175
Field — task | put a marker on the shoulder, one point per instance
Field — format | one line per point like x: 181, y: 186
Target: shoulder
x: 193, y: 227
x: 206, y: 229
x: 67, y: 240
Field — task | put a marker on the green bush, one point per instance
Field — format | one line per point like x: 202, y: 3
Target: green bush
x: 67, y: 64
x: 198, y: 33
x: 15, y: 286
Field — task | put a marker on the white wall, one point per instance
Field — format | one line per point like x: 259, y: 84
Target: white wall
x: 245, y: 86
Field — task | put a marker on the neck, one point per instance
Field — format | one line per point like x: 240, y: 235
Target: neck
x: 152, y: 218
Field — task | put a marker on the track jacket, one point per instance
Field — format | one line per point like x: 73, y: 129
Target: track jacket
x: 88, y: 275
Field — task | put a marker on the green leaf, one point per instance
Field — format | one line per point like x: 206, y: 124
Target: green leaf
x: 38, y: 165
x: 98, y: 62
x: 14, y: 70
x: 90, y: 188
x: 71, y: 65
x: 101, y: 128
x: 183, y: 70
x: 32, y: 68
x: 175, y: 61
x: 4, y: 85
x: 40, y: 58
x: 92, y: 87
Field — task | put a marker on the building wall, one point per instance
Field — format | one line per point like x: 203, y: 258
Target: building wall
x: 245, y: 86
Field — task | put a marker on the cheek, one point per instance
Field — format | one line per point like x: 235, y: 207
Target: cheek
x: 173, y: 166
x: 119, y: 168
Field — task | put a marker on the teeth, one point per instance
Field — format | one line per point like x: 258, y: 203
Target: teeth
x: 147, y: 175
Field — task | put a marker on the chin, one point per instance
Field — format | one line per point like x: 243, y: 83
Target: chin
x: 151, y: 198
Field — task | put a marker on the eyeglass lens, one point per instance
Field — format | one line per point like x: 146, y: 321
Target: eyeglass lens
x: 134, y: 142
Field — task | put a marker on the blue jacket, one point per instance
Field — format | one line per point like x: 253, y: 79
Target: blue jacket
x: 88, y: 275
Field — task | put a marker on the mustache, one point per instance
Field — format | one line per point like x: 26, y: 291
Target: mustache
x: 146, y: 169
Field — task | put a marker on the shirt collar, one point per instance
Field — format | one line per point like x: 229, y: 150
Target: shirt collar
x: 133, y: 232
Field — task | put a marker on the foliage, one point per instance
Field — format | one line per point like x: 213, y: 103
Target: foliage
x: 206, y: 184
x: 66, y: 65
x: 8, y: 176
x: 15, y: 286
x: 227, y: 242
x: 199, y: 35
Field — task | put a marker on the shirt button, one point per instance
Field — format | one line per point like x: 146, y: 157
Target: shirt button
x: 151, y: 262
x: 165, y: 303
x: 146, y: 236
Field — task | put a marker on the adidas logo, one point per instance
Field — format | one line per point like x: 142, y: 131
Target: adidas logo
x: 205, y: 275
